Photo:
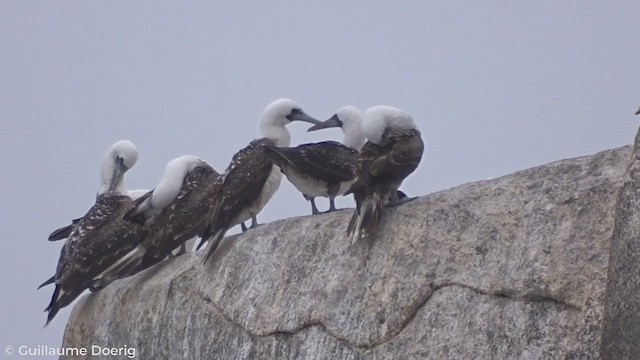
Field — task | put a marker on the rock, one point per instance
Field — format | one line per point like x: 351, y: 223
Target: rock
x: 621, y: 333
x: 509, y: 268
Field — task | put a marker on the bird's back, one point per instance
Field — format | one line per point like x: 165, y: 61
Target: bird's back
x: 241, y: 184
x: 328, y: 161
x: 381, y: 167
x: 98, y: 240
x: 186, y: 217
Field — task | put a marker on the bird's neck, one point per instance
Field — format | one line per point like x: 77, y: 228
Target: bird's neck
x: 168, y: 188
x: 354, y: 138
x: 278, y: 133
x: 119, y: 188
x: 107, y: 181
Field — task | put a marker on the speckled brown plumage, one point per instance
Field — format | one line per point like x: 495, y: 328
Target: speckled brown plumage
x: 380, y: 169
x: 97, y: 241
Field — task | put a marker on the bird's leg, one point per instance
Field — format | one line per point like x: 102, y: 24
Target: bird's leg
x: 332, y: 192
x: 332, y: 204
x: 243, y: 227
x: 399, y: 198
x: 254, y: 222
x: 314, y: 209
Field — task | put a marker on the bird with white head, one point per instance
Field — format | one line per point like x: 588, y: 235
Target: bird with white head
x: 174, y: 213
x: 324, y: 168
x: 121, y: 157
x: 100, y: 237
x: 393, y: 150
x: 251, y: 179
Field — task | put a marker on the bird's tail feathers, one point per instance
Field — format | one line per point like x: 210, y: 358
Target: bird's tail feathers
x: 366, y: 218
x: 354, y: 223
x: 51, y: 280
x: 59, y: 300
x: 214, y: 242
x: 128, y: 265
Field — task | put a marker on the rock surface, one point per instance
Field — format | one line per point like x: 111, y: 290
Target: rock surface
x: 621, y: 333
x: 509, y: 268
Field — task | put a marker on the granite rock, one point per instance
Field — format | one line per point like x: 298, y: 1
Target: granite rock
x: 509, y: 268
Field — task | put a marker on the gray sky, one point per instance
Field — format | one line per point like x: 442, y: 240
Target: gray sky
x: 494, y: 86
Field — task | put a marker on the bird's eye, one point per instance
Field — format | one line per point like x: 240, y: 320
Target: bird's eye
x: 294, y: 113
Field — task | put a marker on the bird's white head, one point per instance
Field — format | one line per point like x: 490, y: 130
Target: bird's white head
x: 279, y: 114
x: 380, y: 118
x: 174, y: 173
x: 121, y: 157
x: 349, y: 119
x: 181, y: 165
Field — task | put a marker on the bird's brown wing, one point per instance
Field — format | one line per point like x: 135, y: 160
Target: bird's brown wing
x: 329, y: 161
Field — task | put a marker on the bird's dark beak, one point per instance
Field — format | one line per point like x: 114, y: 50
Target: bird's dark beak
x: 118, y: 172
x: 638, y: 112
x: 330, y: 123
x: 299, y: 115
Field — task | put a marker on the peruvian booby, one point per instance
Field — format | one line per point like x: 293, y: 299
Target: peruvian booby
x: 393, y: 151
x: 174, y: 212
x: 251, y: 179
x: 326, y: 168
x: 102, y: 236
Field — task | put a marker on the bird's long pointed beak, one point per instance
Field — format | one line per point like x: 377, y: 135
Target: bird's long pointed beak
x: 638, y: 112
x: 118, y: 172
x: 329, y: 123
x: 299, y: 115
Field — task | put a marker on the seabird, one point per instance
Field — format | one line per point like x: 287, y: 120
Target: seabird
x: 102, y: 236
x: 251, y: 178
x: 174, y: 212
x: 326, y: 168
x: 393, y: 151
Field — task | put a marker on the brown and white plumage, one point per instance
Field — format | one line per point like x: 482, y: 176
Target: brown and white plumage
x: 326, y: 168
x: 101, y: 236
x: 251, y: 179
x: 393, y: 151
x: 186, y: 217
x: 318, y: 169
x: 64, y: 232
x: 175, y: 212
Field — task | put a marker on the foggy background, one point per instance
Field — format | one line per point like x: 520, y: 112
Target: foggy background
x: 495, y: 87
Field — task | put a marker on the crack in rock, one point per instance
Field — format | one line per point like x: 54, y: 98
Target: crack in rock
x: 511, y: 296
x: 394, y: 334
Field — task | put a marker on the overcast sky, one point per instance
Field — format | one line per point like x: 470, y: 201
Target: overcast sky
x: 495, y: 87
